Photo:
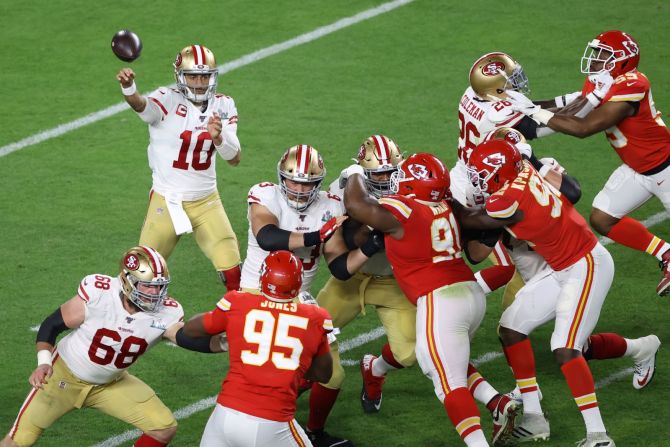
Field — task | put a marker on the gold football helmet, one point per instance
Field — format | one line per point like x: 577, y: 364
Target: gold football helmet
x: 493, y: 73
x: 301, y: 164
x: 508, y: 134
x: 379, y: 155
x: 144, y: 266
x: 196, y: 60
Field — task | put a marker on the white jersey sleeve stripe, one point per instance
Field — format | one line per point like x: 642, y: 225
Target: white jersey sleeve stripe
x: 223, y: 304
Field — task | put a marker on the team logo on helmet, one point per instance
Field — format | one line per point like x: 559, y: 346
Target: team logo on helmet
x: 178, y: 60
x: 630, y: 45
x: 361, y: 153
x: 131, y: 262
x: 418, y: 171
x: 494, y: 160
x: 493, y: 68
x: 513, y: 137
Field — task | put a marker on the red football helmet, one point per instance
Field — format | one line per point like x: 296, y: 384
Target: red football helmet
x: 422, y: 176
x: 493, y: 164
x: 281, y: 276
x: 617, y: 51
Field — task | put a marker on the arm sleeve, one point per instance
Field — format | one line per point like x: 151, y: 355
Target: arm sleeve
x: 528, y: 127
x: 271, y: 238
x: 51, y: 327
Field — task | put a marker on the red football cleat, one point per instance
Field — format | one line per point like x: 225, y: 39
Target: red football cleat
x: 371, y: 395
x: 663, y: 287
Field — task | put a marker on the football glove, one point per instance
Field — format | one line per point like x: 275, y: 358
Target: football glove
x: 329, y: 228
x: 524, y: 105
x: 374, y: 243
x: 603, y: 81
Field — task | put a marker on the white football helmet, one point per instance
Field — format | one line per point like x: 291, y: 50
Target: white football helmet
x: 144, y: 266
x: 196, y: 60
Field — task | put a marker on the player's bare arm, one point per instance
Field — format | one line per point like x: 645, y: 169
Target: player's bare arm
x: 202, y: 343
x: 126, y: 78
x: 321, y: 369
x: 365, y: 209
x: 602, y: 118
x: 70, y: 315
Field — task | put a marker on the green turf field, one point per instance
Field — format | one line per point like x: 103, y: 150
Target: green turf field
x: 72, y: 204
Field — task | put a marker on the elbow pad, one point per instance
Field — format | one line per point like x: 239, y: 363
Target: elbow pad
x: 571, y: 189
x: 199, y: 344
x: 51, y: 327
x: 338, y: 267
x: 271, y: 238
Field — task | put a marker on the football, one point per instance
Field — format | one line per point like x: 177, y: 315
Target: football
x: 126, y: 45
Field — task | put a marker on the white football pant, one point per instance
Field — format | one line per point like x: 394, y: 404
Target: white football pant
x: 573, y: 297
x: 231, y: 428
x: 446, y: 320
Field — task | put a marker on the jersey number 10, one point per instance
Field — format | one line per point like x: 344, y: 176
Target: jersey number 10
x: 198, y: 165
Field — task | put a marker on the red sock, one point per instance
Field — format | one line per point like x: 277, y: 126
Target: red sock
x: 387, y: 355
x: 231, y: 278
x: 461, y: 406
x: 606, y: 346
x: 147, y: 441
x: 580, y: 380
x: 497, y: 276
x: 321, y: 401
x: 521, y: 359
x: 633, y: 234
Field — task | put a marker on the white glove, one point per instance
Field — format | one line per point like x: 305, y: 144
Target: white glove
x: 564, y: 100
x: 603, y: 81
x: 525, y: 149
x: 550, y: 164
x: 351, y: 170
x: 223, y: 342
x: 524, y: 105
x: 307, y: 298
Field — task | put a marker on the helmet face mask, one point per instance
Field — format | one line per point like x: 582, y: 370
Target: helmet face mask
x: 493, y: 73
x: 613, y: 51
x: 196, y: 60
x: 379, y: 157
x: 144, y: 278
x: 301, y: 164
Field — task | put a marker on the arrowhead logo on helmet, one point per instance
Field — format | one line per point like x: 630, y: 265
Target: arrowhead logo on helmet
x: 494, y: 160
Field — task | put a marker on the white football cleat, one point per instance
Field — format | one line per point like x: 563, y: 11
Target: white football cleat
x: 645, y: 362
x: 515, y: 394
x: 533, y: 427
x: 596, y: 440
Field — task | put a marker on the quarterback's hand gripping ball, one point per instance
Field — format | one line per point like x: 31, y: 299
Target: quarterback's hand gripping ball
x: 126, y: 45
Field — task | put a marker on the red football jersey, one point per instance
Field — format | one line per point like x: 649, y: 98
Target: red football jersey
x: 551, y: 225
x: 642, y: 140
x: 271, y: 345
x: 429, y: 255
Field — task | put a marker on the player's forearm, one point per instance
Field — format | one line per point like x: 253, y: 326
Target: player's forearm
x: 136, y: 102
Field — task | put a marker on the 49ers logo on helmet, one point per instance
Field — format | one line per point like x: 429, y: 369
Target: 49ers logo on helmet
x: 493, y: 68
x: 494, y: 160
x: 178, y: 60
x: 418, y: 171
x: 513, y: 137
x: 131, y: 262
x: 361, y: 153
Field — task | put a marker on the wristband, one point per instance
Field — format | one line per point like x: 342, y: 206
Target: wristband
x: 311, y: 239
x: 44, y: 357
x: 544, y: 169
x: 593, y: 99
x: 560, y: 101
x: 543, y: 116
x: 129, y: 91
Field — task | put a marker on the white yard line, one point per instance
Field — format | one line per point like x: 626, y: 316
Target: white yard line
x: 225, y: 68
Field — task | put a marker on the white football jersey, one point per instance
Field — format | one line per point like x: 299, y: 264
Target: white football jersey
x: 477, y: 117
x: 378, y: 264
x: 110, y: 339
x: 324, y: 207
x: 181, y: 152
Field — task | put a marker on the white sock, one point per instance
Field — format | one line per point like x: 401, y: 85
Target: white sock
x: 476, y: 439
x: 593, y: 420
x: 531, y: 402
x: 380, y: 367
